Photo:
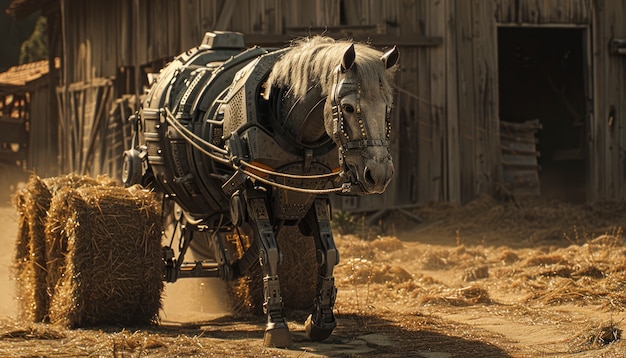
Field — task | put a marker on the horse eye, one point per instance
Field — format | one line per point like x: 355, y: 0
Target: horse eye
x: 348, y: 108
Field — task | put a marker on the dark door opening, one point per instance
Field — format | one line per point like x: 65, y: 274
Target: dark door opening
x: 542, y: 76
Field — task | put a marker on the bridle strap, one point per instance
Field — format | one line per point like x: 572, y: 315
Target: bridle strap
x: 340, y: 135
x: 364, y: 143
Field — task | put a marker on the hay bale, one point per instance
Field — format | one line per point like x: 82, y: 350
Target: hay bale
x: 243, y: 293
x: 58, y: 183
x: 298, y: 271
x: 57, y: 236
x: 22, y: 267
x: 21, y: 244
x: 31, y: 250
x: 297, y: 274
x: 58, y: 215
x: 30, y: 265
x: 113, y: 270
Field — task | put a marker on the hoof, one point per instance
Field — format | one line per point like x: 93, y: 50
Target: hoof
x: 277, y: 337
x: 316, y: 333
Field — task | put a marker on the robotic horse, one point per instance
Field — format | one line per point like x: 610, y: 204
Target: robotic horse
x: 256, y: 140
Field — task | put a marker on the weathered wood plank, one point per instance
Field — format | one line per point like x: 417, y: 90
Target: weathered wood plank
x: 289, y: 10
x: 190, y: 22
x: 486, y: 98
x: 405, y: 40
x: 607, y: 156
x: 328, y: 12
x: 43, y: 148
x: 173, y: 31
x: 356, y: 12
x: 467, y: 124
x: 408, y: 111
x: 451, y: 172
x: 437, y: 25
x: 426, y: 184
x: 543, y: 12
x: 226, y: 14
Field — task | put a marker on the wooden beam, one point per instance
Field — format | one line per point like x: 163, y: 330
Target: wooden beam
x: 406, y: 40
x: 332, y: 29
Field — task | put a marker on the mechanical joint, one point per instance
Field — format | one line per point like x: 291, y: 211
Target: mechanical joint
x: 273, y: 304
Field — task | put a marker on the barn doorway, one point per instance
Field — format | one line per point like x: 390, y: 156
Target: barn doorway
x: 542, y: 78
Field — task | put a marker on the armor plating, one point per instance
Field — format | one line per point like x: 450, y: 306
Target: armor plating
x: 230, y: 150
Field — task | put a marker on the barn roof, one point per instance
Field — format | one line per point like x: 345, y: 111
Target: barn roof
x: 22, y: 8
x: 22, y: 75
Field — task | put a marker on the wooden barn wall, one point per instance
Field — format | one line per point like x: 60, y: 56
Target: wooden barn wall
x: 607, y: 132
x: 446, y: 105
x: 42, y: 156
x: 93, y: 33
x: 543, y: 12
x: 420, y: 106
x: 476, y: 97
x: 101, y: 37
x: 446, y: 110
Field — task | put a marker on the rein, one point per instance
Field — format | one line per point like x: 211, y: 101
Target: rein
x: 340, y: 136
x: 219, y: 155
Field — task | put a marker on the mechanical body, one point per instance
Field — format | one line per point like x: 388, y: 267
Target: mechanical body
x: 243, y: 139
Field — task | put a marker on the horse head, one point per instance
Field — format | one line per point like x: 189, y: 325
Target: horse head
x: 341, y: 90
x: 357, y: 118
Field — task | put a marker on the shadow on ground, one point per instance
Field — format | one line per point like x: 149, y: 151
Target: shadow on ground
x: 357, y: 335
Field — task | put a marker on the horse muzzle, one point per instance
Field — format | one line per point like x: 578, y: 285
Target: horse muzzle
x: 376, y: 177
x: 370, y: 173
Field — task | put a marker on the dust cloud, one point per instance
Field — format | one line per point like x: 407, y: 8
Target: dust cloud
x: 194, y: 300
x: 8, y: 234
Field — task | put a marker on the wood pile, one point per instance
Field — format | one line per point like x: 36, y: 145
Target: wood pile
x: 520, y: 168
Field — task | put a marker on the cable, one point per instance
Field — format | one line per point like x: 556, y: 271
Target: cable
x: 291, y: 176
x: 190, y: 137
x: 179, y: 127
x: 173, y: 122
x: 344, y: 188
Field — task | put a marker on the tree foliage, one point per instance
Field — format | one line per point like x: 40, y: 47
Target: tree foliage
x: 35, y: 48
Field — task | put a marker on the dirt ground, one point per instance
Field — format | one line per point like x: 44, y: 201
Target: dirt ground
x: 529, y: 278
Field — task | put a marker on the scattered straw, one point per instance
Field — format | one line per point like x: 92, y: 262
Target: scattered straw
x: 466, y: 296
x: 543, y: 260
x: 475, y: 273
x: 362, y: 271
x: 595, y: 336
x: 387, y: 244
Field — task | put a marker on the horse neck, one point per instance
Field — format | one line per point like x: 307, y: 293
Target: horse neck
x: 303, y: 118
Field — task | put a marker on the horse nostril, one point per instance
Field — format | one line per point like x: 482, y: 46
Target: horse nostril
x: 369, y: 178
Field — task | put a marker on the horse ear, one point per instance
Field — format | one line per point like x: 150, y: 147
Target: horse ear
x: 390, y: 57
x: 348, y: 58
